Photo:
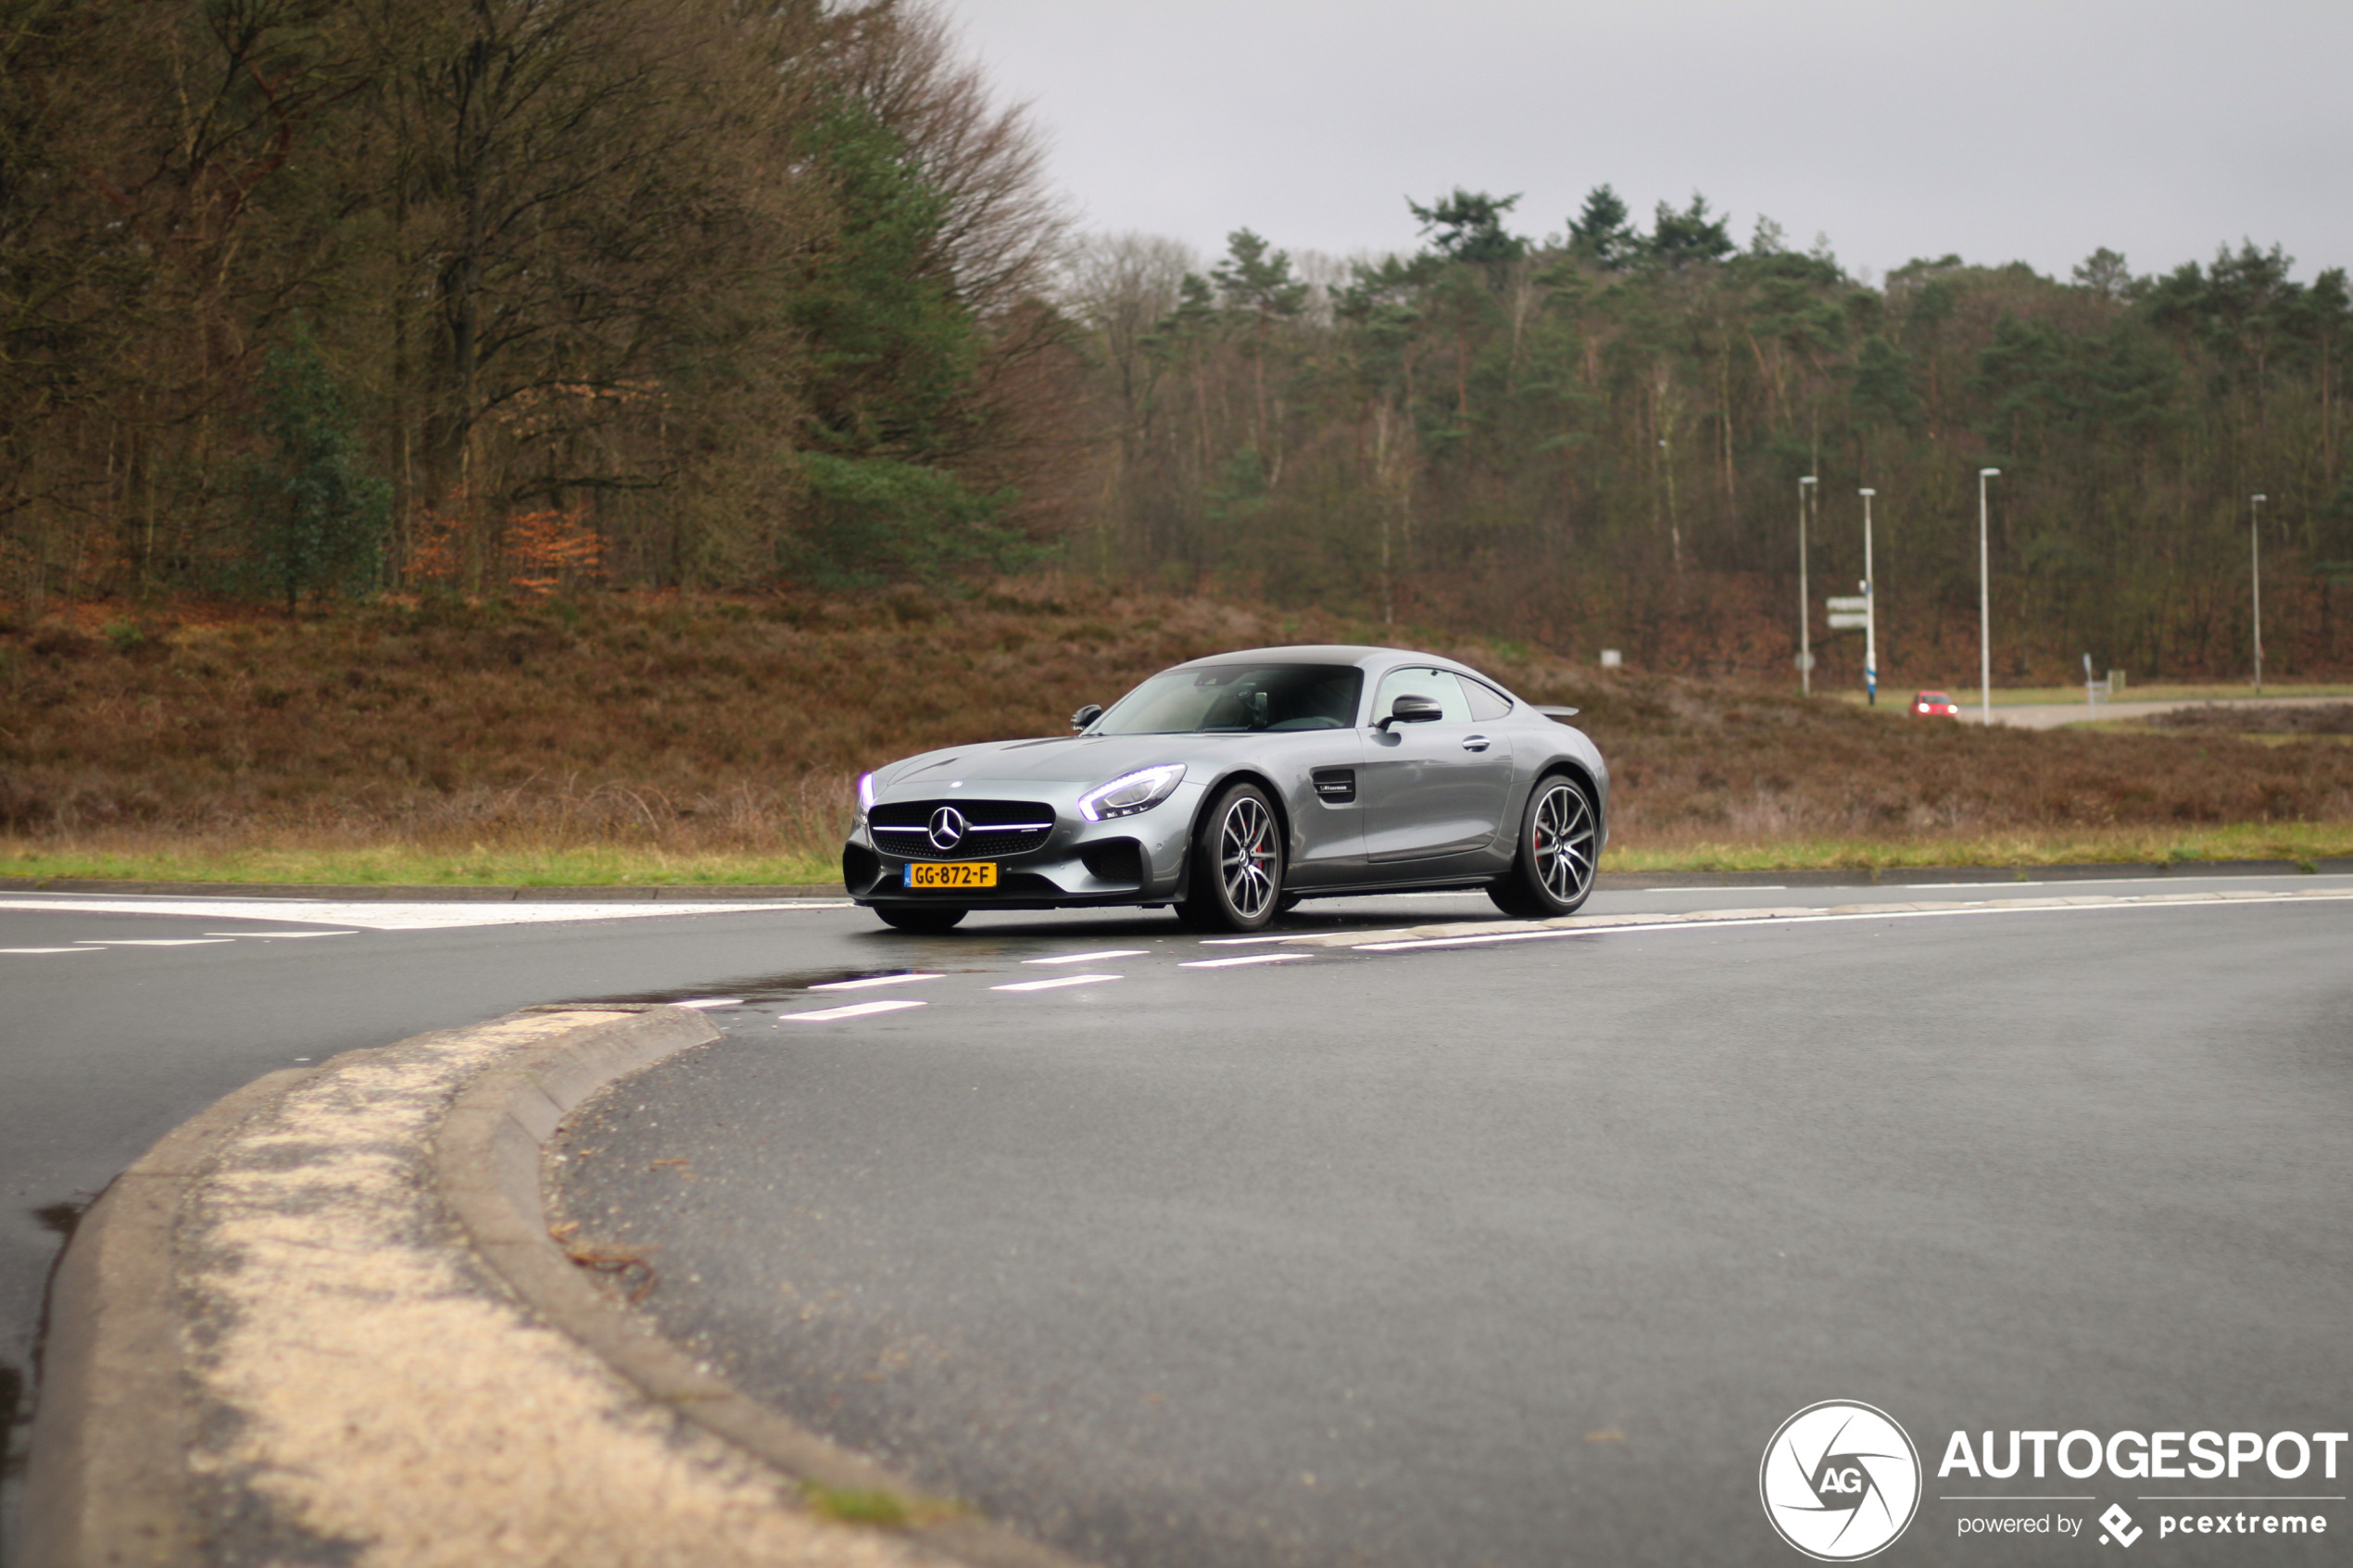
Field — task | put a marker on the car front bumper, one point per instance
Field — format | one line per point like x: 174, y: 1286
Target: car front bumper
x: 1134, y: 860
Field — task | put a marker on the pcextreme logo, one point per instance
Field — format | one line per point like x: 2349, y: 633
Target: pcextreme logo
x: 1840, y: 1481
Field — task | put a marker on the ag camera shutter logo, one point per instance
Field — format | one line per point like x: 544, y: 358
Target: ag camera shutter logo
x: 1840, y: 1480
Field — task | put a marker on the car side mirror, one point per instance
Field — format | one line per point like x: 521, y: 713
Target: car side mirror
x: 1411, y: 709
x: 1085, y: 715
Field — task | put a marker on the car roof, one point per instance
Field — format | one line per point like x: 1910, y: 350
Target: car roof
x: 1325, y: 653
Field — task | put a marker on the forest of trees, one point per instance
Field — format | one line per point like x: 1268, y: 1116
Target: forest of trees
x: 302, y: 300
x: 1596, y: 439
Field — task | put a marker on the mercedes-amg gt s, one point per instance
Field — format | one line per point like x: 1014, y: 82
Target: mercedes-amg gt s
x: 1236, y: 786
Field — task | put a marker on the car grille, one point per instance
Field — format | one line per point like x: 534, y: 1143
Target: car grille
x: 992, y: 828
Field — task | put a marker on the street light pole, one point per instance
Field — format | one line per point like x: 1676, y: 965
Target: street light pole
x: 2255, y: 558
x: 1870, y: 610
x: 1805, y: 605
x: 1984, y: 609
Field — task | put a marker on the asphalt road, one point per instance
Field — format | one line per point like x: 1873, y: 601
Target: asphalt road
x: 1518, y: 1254
x: 1321, y: 1079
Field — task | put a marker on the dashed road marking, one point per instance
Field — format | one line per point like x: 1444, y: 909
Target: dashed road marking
x: 151, y: 941
x: 1091, y: 957
x: 280, y: 935
x: 1057, y: 983
x: 48, y: 950
x: 855, y: 1010
x: 1246, y: 958
x: 1237, y: 941
x: 699, y: 1003
x: 869, y: 985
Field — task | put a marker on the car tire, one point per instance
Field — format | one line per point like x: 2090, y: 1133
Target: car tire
x: 1553, y: 872
x: 1234, y: 877
x: 928, y: 918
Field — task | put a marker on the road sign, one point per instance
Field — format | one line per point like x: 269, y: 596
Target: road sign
x: 1849, y: 604
x: 1804, y: 661
x: 1849, y: 622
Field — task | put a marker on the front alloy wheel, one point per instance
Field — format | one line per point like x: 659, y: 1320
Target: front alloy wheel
x: 1558, y: 837
x: 1236, y: 879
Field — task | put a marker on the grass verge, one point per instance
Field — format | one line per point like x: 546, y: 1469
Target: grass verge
x: 403, y: 865
x: 874, y: 1508
x: 2302, y: 842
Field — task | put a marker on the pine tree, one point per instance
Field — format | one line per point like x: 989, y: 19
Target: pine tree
x: 317, y: 522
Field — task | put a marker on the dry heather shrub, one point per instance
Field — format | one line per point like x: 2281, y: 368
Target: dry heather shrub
x: 2266, y: 719
x: 727, y: 725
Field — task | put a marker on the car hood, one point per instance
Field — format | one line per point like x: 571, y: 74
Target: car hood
x: 1068, y: 760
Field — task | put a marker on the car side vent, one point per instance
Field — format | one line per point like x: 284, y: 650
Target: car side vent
x: 1336, y: 785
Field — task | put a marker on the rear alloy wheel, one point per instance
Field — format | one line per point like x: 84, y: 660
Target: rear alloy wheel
x: 1558, y: 836
x: 934, y: 918
x: 1235, y: 881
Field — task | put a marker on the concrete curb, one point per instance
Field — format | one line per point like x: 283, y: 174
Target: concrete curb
x: 109, y: 1482
x: 631, y: 894
x: 488, y: 1162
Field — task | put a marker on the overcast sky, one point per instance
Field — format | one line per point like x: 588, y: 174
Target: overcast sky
x: 2004, y: 129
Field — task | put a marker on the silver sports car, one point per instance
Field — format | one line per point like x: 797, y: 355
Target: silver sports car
x: 1236, y: 786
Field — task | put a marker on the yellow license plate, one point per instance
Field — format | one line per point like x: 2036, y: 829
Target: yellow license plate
x: 953, y: 874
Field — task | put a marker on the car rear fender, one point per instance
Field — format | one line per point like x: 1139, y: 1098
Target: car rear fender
x: 1570, y: 768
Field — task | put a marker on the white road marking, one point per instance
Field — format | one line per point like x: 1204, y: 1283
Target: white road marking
x: 420, y: 916
x: 280, y: 935
x: 1246, y: 958
x: 1057, y: 983
x: 1237, y: 941
x: 1727, y: 887
x: 1090, y: 958
x: 150, y: 941
x: 48, y: 950
x: 711, y: 1002
x: 869, y: 985
x: 855, y: 1010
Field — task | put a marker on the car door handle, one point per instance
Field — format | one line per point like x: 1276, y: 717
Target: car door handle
x: 1475, y: 743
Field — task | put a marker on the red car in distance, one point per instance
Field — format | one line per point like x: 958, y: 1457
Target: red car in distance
x: 1935, y: 705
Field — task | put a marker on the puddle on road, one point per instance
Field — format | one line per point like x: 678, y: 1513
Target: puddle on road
x: 12, y: 1409
x: 19, y: 1386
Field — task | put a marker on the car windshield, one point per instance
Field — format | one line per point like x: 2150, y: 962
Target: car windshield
x: 1235, y: 698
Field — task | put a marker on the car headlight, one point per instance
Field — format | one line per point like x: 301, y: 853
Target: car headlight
x: 865, y: 796
x: 1131, y: 793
